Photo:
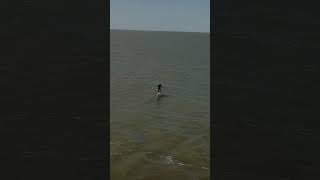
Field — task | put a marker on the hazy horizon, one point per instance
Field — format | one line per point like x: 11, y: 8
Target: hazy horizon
x: 113, y: 29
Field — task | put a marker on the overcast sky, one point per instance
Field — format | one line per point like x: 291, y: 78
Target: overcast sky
x: 161, y: 15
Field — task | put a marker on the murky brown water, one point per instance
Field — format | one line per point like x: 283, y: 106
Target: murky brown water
x: 160, y: 137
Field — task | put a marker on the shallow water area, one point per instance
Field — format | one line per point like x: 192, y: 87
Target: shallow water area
x: 162, y: 136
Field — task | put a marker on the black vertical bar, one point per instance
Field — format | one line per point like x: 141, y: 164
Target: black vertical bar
x: 266, y: 95
x: 55, y: 89
x: 212, y: 89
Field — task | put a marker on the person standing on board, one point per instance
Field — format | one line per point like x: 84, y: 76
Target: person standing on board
x: 159, y: 88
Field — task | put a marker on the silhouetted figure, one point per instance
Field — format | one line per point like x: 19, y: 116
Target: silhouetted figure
x: 159, y: 88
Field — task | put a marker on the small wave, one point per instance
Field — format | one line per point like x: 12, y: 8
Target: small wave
x: 171, y: 160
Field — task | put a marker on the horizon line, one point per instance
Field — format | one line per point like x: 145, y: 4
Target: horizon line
x: 158, y: 30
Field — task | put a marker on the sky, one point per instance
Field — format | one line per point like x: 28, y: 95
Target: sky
x: 161, y: 15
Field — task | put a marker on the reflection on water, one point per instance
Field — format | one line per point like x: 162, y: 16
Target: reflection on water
x: 159, y: 136
x: 160, y: 97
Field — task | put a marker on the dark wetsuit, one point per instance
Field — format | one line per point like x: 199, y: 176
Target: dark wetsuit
x: 159, y: 87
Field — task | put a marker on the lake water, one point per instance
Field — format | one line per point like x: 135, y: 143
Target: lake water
x: 164, y: 137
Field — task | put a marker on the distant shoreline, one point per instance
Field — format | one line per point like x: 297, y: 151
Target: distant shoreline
x: 158, y: 31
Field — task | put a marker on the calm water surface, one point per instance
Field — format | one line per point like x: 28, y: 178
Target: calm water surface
x: 163, y: 137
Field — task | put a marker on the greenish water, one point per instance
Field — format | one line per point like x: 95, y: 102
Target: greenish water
x: 166, y: 137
